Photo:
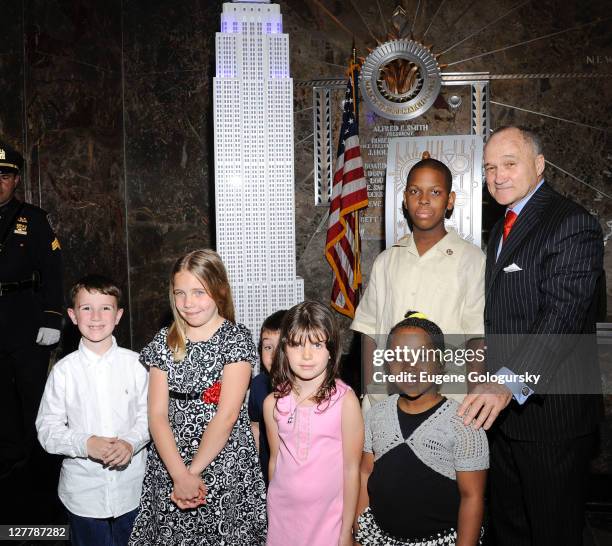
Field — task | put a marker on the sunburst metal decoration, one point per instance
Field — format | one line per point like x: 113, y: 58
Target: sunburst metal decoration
x: 401, y: 77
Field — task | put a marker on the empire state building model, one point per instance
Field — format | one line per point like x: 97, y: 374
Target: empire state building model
x: 254, y: 189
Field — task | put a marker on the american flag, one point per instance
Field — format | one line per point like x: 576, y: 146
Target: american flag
x: 349, y: 194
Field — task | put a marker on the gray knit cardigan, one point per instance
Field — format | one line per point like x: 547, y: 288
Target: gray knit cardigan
x: 442, y: 442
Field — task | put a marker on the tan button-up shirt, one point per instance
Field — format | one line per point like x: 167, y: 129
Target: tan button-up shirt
x: 446, y: 284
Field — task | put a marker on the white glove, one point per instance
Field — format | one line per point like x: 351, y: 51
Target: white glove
x: 47, y: 336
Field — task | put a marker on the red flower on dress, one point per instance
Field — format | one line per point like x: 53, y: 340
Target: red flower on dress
x: 211, y: 394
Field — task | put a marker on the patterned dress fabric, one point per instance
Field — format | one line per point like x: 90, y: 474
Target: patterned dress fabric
x: 235, y: 509
x: 370, y: 534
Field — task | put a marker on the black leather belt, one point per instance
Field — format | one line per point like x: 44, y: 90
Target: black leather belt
x: 184, y: 395
x: 17, y: 286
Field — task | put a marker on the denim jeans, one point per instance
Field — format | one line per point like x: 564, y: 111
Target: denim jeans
x: 101, y: 531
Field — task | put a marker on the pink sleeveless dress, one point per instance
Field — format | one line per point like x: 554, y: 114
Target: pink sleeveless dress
x: 305, y: 494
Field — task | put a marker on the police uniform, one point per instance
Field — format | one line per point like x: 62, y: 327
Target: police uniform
x: 31, y: 305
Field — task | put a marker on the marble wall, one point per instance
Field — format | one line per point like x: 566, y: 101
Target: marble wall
x: 68, y: 85
x: 168, y: 69
x: 110, y: 101
x: 11, y: 74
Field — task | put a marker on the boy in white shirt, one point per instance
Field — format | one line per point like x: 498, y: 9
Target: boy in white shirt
x: 94, y: 412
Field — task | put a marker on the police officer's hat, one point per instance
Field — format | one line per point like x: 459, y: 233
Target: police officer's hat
x: 11, y: 161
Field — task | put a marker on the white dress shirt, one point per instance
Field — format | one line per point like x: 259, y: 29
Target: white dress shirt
x: 87, y: 394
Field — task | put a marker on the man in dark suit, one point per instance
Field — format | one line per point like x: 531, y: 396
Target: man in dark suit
x: 544, y: 263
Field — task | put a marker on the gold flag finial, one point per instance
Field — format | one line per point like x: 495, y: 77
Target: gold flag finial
x: 426, y: 155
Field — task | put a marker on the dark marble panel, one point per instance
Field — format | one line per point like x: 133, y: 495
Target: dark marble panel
x: 74, y: 132
x: 169, y: 64
x: 11, y: 77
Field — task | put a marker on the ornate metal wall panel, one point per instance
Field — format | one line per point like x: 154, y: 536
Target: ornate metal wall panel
x: 323, y: 144
x: 463, y: 155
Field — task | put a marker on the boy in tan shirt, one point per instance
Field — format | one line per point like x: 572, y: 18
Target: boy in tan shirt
x: 431, y: 270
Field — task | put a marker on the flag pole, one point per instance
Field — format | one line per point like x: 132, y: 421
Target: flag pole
x: 357, y: 279
x: 349, y: 194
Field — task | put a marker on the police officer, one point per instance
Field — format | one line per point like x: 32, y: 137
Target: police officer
x: 30, y: 313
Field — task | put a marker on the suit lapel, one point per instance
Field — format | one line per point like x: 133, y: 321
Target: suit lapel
x: 526, y: 222
x: 495, y: 236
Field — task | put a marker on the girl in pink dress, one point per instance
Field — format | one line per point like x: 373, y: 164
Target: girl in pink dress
x: 315, y: 431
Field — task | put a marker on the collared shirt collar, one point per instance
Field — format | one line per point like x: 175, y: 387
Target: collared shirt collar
x: 517, y: 209
x: 90, y: 357
x: 521, y: 204
x: 446, y: 246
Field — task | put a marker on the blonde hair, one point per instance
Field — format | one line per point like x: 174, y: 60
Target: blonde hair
x: 207, y: 267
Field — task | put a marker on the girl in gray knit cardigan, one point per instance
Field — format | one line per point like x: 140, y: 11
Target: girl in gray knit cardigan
x: 423, y: 472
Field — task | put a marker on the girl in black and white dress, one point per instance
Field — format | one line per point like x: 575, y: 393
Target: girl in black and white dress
x: 203, y: 484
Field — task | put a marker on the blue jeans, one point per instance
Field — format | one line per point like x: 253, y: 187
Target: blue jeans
x: 101, y: 531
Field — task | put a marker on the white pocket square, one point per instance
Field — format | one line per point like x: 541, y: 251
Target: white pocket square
x: 512, y: 268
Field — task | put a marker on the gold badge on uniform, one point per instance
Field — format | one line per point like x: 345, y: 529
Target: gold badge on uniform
x: 22, y: 219
x: 55, y: 245
x: 21, y: 229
